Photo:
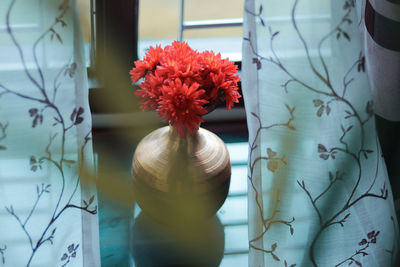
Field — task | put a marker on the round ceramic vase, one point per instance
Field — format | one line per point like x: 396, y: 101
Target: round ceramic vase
x: 181, y: 180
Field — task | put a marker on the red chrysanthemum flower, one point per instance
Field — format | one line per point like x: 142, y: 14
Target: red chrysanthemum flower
x: 220, y: 79
x: 153, y: 57
x: 182, y: 106
x: 226, y: 88
x: 183, y: 84
x: 150, y: 91
x: 231, y: 96
x: 181, y: 62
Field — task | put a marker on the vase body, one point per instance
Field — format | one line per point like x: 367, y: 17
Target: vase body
x: 181, y: 180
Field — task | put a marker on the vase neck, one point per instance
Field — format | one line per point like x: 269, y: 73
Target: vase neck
x: 187, y: 143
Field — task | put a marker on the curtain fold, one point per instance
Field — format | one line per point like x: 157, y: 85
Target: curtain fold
x: 382, y: 46
x: 47, y: 217
x: 319, y: 194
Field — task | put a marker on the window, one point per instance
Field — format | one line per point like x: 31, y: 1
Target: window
x: 159, y: 22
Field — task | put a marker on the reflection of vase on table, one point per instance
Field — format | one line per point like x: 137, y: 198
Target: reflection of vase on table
x: 155, y: 244
x: 181, y: 173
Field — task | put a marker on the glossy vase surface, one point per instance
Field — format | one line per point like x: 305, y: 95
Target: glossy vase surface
x: 181, y: 180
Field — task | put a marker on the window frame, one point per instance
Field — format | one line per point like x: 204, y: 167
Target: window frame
x: 116, y: 29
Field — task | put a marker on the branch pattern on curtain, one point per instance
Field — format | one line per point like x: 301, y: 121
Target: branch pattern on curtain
x: 318, y: 189
x: 46, y: 218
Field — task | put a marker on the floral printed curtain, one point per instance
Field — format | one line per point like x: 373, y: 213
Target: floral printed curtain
x: 47, y: 217
x: 319, y: 194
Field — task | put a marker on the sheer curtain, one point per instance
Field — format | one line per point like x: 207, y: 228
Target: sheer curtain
x: 319, y: 194
x: 382, y: 46
x: 47, y: 218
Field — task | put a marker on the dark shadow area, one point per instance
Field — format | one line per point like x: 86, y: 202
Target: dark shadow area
x: 389, y: 132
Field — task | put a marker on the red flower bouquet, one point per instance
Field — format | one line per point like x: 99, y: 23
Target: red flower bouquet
x: 182, y: 84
